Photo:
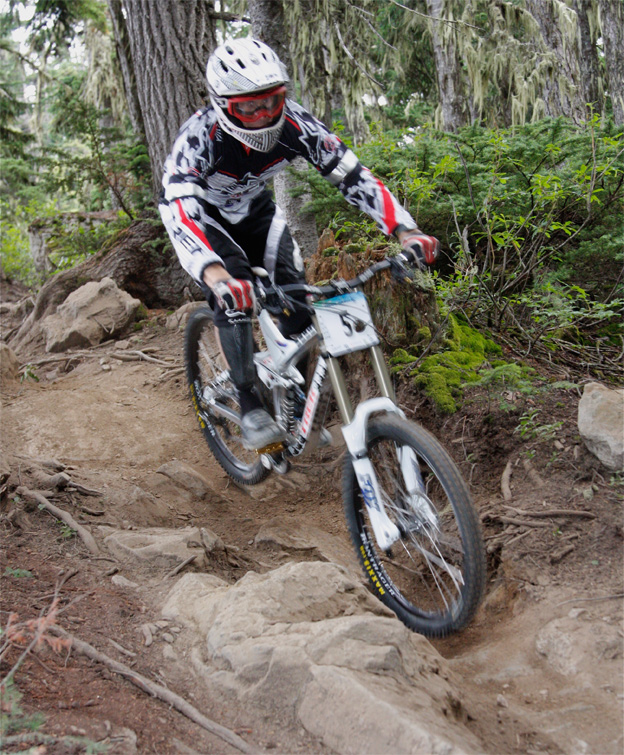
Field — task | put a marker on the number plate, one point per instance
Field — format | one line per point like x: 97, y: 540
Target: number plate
x: 346, y: 323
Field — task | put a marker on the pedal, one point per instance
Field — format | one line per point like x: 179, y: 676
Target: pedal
x: 272, y: 448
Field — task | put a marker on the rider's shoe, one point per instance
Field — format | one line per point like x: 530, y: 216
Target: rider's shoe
x: 260, y: 430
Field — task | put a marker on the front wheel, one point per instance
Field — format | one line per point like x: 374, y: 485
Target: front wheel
x: 215, y: 400
x: 433, y: 576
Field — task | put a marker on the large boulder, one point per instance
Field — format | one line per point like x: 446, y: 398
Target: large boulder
x: 601, y: 423
x: 309, y: 646
x: 91, y: 313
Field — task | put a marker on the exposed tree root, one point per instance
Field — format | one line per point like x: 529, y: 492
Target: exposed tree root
x: 82, y: 532
x: 160, y: 692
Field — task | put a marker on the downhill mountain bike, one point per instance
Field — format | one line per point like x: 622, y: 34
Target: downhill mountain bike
x: 408, y: 510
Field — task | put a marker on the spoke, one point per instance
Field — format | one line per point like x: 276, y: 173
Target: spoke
x: 425, y: 537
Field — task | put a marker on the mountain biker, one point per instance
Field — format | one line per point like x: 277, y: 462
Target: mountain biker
x: 222, y: 219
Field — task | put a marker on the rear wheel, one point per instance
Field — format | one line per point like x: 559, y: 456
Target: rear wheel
x: 215, y: 400
x: 433, y: 576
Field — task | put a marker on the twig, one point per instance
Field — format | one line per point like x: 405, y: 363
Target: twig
x: 522, y: 522
x: 530, y: 469
x: 449, y: 21
x: 552, y: 512
x: 92, y: 512
x: 160, y: 692
x: 352, y: 59
x: 592, y: 600
x: 181, y: 566
x: 65, y: 578
x: 81, y: 489
x: 505, y: 487
x: 559, y: 555
x: 121, y: 648
x: 69, y: 520
x: 517, y: 537
x: 137, y: 356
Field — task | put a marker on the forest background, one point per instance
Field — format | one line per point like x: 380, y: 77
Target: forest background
x: 500, y: 125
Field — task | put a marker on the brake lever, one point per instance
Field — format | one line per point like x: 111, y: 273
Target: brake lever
x: 341, y: 286
x: 399, y: 269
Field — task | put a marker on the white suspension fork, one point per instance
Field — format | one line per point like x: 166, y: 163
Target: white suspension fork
x: 386, y: 532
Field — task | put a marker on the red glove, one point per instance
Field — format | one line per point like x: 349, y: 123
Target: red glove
x: 420, y: 250
x: 235, y: 294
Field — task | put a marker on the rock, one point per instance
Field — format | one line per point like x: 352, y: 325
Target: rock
x: 564, y: 643
x: 122, y: 581
x: 9, y: 365
x: 157, y: 546
x: 93, y: 312
x: 601, y: 424
x: 188, y: 478
x: 178, y: 320
x: 307, y: 644
x: 293, y: 537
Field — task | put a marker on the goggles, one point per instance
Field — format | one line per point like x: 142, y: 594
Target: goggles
x: 250, y: 108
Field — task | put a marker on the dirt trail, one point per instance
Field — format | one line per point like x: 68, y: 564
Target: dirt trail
x: 541, y: 665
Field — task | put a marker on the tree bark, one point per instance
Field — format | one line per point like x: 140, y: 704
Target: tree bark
x: 169, y: 44
x: 562, y: 90
x: 612, y: 26
x: 267, y: 23
x: 453, y: 107
x: 124, y: 56
x: 590, y: 83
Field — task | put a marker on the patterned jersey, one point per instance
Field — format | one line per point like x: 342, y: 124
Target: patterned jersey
x: 210, y: 165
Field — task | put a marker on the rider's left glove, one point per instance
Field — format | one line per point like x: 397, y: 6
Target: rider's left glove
x: 420, y: 250
x: 234, y: 294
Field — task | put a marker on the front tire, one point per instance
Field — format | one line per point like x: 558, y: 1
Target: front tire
x: 433, y: 577
x: 209, y: 384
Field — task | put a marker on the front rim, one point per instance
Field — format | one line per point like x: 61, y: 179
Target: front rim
x: 427, y: 575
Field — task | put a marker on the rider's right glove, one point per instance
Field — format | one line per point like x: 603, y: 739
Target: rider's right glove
x: 420, y: 250
x: 235, y: 294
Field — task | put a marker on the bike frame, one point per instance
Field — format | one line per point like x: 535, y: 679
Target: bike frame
x: 276, y: 368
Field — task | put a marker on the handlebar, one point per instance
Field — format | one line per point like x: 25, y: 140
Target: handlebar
x: 336, y: 288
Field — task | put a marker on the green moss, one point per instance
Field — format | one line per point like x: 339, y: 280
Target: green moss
x: 442, y: 376
x: 424, y: 333
x: 141, y: 313
x: 331, y: 251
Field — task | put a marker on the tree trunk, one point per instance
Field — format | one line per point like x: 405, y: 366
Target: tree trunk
x: 612, y: 26
x: 124, y: 56
x: 591, y: 89
x: 169, y: 45
x: 562, y: 92
x: 267, y: 23
x: 453, y: 107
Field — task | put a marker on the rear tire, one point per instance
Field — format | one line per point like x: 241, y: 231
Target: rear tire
x: 207, y: 377
x: 434, y: 576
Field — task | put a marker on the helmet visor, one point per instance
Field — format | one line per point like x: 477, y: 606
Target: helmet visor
x: 250, y: 109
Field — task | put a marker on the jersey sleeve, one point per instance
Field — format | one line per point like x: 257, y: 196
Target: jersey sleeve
x: 340, y: 166
x: 184, y: 187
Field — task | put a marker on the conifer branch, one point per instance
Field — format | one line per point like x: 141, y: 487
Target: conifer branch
x: 449, y: 21
x: 349, y: 54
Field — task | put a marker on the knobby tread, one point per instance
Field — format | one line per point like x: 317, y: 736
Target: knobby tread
x: 403, y: 432
x: 240, y: 471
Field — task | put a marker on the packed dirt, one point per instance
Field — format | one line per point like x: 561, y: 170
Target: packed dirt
x: 540, y: 668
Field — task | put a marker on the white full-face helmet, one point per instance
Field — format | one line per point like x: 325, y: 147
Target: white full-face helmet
x: 247, y: 87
